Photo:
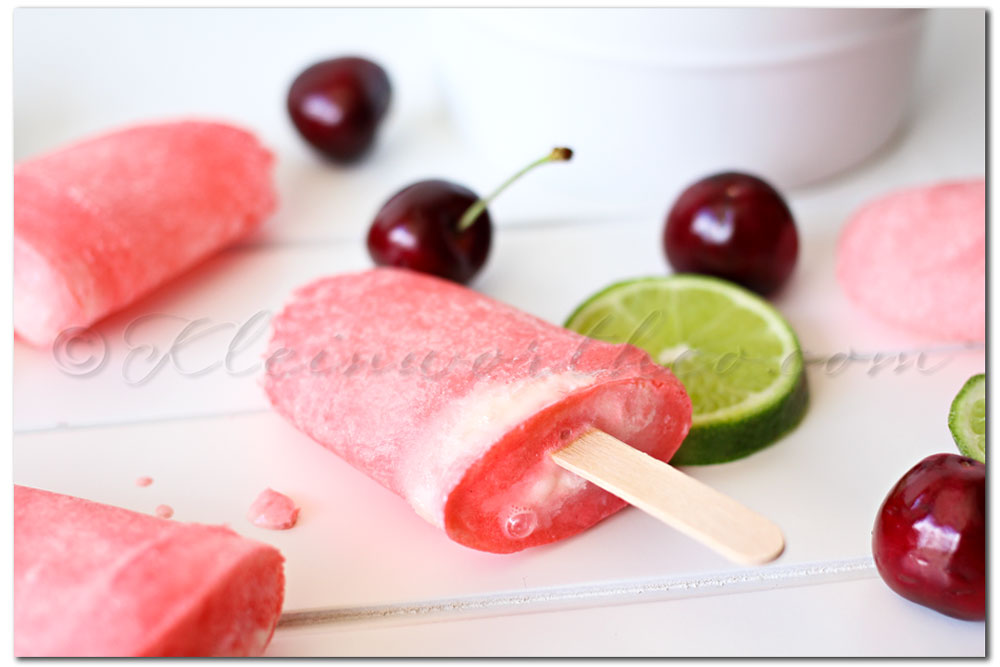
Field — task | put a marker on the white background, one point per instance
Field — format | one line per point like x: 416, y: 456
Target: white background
x: 211, y: 444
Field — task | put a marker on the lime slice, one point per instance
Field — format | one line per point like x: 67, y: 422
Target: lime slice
x: 967, y: 419
x: 735, y: 354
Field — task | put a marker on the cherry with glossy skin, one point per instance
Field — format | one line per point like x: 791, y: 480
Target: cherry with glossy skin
x: 734, y: 226
x: 439, y: 227
x: 417, y: 229
x: 929, y: 539
x: 337, y: 106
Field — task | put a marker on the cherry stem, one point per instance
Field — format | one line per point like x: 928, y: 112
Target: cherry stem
x: 559, y: 154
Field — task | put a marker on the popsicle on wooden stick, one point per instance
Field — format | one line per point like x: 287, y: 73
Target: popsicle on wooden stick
x: 101, y: 581
x: 102, y: 222
x: 472, y: 411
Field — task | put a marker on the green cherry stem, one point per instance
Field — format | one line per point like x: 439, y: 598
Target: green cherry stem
x: 559, y: 154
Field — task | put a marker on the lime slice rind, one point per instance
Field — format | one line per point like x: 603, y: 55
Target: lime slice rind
x: 737, y: 356
x: 722, y: 441
x: 967, y: 418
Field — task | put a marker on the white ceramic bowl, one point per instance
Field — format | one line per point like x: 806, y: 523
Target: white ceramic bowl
x: 652, y: 99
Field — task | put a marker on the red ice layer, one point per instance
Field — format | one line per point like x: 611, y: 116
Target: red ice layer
x: 95, y: 580
x: 452, y: 400
x: 102, y: 222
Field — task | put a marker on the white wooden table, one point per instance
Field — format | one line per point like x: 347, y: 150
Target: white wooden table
x: 390, y: 583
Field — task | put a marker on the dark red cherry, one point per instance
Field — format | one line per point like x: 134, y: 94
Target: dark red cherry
x: 929, y: 540
x: 337, y: 106
x: 418, y: 229
x: 734, y: 226
x: 439, y: 227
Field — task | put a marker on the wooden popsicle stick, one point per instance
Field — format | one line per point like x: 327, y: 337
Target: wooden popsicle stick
x: 697, y: 510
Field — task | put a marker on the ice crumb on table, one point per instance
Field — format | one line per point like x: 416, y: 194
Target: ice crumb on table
x: 273, y: 510
x: 143, y: 481
x: 164, y: 511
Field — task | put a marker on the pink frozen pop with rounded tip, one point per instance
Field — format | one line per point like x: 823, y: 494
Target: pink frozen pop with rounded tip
x: 96, y: 580
x: 917, y: 259
x: 103, y: 222
x: 453, y: 401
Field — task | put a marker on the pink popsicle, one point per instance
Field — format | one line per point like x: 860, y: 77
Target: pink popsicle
x: 101, y: 223
x: 452, y: 400
x: 917, y: 259
x: 95, y: 580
